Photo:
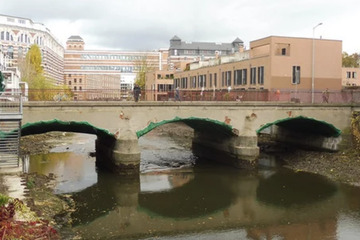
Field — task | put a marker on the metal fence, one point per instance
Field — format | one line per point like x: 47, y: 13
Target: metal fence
x: 10, y: 125
x: 284, y: 95
x: 9, y: 143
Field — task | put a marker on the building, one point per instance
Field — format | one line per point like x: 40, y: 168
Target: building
x: 117, y: 68
x: 350, y: 77
x: 272, y: 63
x: 18, y: 34
x: 181, y: 52
x: 159, y: 85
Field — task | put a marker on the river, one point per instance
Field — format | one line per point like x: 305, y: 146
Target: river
x: 178, y: 196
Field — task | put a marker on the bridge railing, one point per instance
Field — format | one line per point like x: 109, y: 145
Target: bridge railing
x: 284, y: 95
x: 10, y: 105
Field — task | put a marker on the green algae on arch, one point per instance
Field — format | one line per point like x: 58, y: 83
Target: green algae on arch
x: 305, y: 124
x: 193, y: 122
x: 58, y: 125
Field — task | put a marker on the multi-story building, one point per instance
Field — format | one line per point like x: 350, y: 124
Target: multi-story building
x: 272, y: 63
x: 159, y: 85
x: 18, y: 34
x: 181, y: 52
x: 117, y: 68
x: 350, y: 77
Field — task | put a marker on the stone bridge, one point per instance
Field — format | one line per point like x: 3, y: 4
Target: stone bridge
x: 226, y: 127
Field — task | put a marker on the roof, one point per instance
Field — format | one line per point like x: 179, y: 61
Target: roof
x: 204, y: 45
x: 75, y: 38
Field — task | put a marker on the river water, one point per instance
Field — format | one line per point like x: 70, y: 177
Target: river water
x: 178, y: 196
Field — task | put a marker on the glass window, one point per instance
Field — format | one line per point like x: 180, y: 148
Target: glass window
x: 296, y: 75
x: 261, y: 75
x: 253, y: 76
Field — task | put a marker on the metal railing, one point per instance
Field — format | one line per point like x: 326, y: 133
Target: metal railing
x: 9, y: 143
x: 250, y: 95
x: 10, y: 129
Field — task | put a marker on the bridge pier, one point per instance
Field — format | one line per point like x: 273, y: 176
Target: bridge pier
x: 121, y: 155
x: 237, y: 151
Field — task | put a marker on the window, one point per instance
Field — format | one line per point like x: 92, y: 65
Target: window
x: 348, y: 74
x: 80, y: 80
x: 10, y: 52
x: 69, y: 82
x: 222, y: 79
x: 75, y: 80
x: 193, y: 82
x: 215, y: 79
x: 228, y: 78
x: 261, y: 75
x: 283, y: 51
x: 202, y: 81
x: 253, y: 76
x: 237, y: 77
x: 354, y: 75
x: 183, y: 83
x: 244, y: 76
x: 75, y: 88
x: 296, y: 75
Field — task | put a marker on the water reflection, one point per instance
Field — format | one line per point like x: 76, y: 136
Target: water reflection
x: 205, y: 201
x: 73, y: 171
x: 288, y: 189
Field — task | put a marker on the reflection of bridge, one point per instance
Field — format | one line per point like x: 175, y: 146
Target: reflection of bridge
x: 229, y: 127
x: 221, y: 200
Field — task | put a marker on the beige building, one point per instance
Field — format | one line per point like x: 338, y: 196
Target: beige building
x: 116, y: 69
x: 159, y: 85
x: 272, y: 63
x: 18, y: 34
x: 350, y: 77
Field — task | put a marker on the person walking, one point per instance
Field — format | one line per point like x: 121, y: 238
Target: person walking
x: 137, y: 91
x: 325, y: 96
x: 177, y: 94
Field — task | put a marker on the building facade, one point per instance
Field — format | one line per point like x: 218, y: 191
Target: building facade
x: 181, y: 52
x: 350, y: 77
x: 159, y: 85
x: 116, y: 68
x: 272, y: 63
x: 18, y: 34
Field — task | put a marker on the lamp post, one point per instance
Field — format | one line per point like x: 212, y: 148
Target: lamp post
x: 313, y: 63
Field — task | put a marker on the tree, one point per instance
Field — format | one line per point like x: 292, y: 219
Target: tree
x: 40, y: 87
x: 33, y: 56
x: 350, y: 60
x: 143, y: 67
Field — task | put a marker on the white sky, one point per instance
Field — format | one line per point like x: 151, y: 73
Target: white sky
x: 150, y: 24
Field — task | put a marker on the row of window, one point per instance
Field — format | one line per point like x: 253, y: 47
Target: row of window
x: 24, y: 38
x: 351, y: 74
x: 240, y: 78
x: 128, y: 69
x: 111, y: 57
x: 257, y: 76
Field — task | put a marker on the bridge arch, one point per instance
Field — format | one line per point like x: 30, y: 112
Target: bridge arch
x: 198, y: 124
x: 66, y: 126
x: 305, y: 125
x: 304, y: 132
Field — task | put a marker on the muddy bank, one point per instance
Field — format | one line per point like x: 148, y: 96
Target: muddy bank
x: 42, y: 143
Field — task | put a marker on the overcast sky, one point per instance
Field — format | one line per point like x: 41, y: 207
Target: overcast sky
x: 150, y: 24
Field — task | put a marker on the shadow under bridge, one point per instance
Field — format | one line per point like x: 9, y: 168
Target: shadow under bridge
x: 304, y: 132
x: 216, y: 140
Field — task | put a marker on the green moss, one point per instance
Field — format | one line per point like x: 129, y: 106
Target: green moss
x: 3, y: 199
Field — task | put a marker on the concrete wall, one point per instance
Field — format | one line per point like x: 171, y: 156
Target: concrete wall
x: 245, y: 117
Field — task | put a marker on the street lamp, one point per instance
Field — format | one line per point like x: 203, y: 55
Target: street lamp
x: 313, y: 63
